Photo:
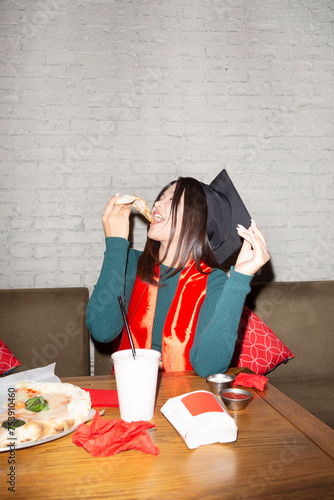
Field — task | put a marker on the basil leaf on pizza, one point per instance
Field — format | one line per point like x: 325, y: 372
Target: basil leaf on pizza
x: 37, y: 403
x: 12, y: 424
x: 39, y: 410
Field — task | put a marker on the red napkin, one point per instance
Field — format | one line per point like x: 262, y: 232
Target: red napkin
x: 103, y: 397
x: 108, y: 437
x: 249, y: 380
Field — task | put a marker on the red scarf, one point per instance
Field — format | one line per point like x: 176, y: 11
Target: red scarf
x: 180, y: 324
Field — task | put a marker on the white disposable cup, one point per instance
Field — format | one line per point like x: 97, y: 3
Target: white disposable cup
x: 136, y: 382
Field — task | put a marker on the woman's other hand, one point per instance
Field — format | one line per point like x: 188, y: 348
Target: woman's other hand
x: 254, y: 253
x: 116, y: 219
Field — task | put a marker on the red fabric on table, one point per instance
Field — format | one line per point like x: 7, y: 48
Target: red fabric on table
x: 108, y: 437
x: 249, y: 380
x: 103, y: 397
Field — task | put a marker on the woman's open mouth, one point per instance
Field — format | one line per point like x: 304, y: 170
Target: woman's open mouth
x: 157, y: 217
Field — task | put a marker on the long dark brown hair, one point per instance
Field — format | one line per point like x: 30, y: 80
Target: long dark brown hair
x: 193, y: 241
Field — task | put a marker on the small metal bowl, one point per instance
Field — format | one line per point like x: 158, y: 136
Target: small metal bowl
x: 235, y: 404
x: 218, y: 382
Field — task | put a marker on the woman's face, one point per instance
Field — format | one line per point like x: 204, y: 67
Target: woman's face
x: 160, y: 228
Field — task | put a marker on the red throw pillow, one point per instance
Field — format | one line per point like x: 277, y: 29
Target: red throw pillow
x: 7, y: 360
x: 257, y: 346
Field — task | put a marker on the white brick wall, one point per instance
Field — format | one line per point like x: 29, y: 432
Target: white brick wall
x: 105, y: 96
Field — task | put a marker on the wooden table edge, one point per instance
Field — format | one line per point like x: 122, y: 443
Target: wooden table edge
x: 313, y: 428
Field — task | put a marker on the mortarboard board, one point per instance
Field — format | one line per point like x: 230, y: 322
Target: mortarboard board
x: 225, y: 211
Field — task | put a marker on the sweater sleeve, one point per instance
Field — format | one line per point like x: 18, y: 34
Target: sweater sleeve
x: 218, y: 322
x: 103, y: 316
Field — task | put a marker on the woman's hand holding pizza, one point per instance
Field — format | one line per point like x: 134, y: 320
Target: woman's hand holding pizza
x: 116, y: 219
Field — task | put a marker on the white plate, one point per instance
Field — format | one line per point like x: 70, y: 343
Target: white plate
x: 90, y: 416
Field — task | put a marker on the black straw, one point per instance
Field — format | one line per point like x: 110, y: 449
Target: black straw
x: 127, y: 326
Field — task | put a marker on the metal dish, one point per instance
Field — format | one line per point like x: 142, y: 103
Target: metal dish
x: 218, y: 382
x: 236, y: 404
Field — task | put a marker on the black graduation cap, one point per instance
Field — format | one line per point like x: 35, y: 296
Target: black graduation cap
x: 225, y: 211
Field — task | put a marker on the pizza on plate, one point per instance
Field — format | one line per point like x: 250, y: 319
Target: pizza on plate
x: 138, y: 203
x: 36, y: 410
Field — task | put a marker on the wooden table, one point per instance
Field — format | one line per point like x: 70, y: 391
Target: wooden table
x: 282, y: 452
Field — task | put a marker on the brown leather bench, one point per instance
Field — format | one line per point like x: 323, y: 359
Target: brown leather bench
x: 45, y: 325
x: 301, y: 314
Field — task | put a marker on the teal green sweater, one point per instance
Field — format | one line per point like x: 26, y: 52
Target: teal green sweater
x: 218, y: 320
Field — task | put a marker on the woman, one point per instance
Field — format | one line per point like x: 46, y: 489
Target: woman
x: 179, y: 299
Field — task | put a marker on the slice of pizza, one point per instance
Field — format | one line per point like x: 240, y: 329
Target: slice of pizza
x: 37, y: 410
x: 138, y: 203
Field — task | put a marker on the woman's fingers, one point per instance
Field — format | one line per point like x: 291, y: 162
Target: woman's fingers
x: 251, y: 233
x: 254, y: 253
x: 258, y: 233
x: 115, y: 219
x: 111, y: 203
x: 244, y: 233
x: 260, y: 249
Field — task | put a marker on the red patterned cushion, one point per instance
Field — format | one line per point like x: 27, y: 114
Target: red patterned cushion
x: 7, y: 360
x: 257, y: 346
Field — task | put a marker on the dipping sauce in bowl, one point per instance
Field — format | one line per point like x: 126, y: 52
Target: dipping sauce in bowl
x: 236, y: 399
x: 233, y: 395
